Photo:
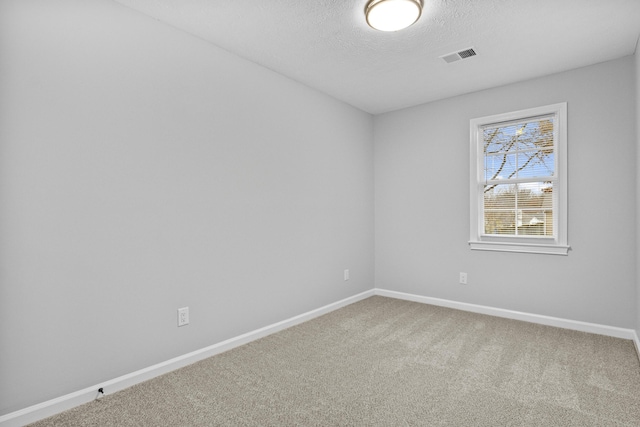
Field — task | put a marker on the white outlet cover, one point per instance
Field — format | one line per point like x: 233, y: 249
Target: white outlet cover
x: 183, y: 316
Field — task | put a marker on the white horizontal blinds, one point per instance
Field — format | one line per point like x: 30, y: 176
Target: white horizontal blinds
x: 519, y: 175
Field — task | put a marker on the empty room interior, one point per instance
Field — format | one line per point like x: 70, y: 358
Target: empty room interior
x: 180, y: 180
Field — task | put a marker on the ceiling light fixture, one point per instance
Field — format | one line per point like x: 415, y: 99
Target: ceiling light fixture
x: 392, y: 15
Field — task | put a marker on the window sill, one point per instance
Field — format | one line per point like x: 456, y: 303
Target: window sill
x: 531, y: 248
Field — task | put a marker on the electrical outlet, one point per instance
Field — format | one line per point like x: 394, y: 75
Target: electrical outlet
x: 183, y: 316
x: 346, y: 275
x: 463, y: 278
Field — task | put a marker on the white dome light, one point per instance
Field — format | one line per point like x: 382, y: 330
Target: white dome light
x: 392, y: 15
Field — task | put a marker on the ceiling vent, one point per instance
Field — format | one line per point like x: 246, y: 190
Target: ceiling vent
x: 456, y: 56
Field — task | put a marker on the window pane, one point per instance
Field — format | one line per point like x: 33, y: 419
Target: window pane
x: 522, y: 150
x: 501, y: 139
x: 535, y: 195
x: 500, y: 222
x: 497, y: 140
x: 535, y: 223
x: 500, y: 209
x: 501, y: 196
x: 524, y: 209
x: 537, y: 135
x: 532, y: 164
x: 500, y: 166
x: 535, y: 202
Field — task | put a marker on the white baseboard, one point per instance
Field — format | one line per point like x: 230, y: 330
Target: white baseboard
x: 636, y: 341
x: 575, y: 325
x: 69, y: 401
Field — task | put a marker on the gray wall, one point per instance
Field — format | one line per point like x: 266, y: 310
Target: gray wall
x: 142, y: 170
x: 422, y: 201
x: 637, y: 71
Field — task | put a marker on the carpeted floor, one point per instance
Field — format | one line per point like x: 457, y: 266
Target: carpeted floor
x: 387, y: 362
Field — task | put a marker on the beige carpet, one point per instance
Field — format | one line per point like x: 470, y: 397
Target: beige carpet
x: 387, y: 362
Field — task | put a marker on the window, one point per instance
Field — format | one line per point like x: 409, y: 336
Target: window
x: 519, y: 181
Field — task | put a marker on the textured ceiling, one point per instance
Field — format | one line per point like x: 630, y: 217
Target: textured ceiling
x: 327, y: 45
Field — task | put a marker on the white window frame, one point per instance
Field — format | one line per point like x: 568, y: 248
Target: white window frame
x: 556, y: 244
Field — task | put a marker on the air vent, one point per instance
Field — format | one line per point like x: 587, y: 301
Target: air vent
x: 467, y: 53
x: 456, y: 56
